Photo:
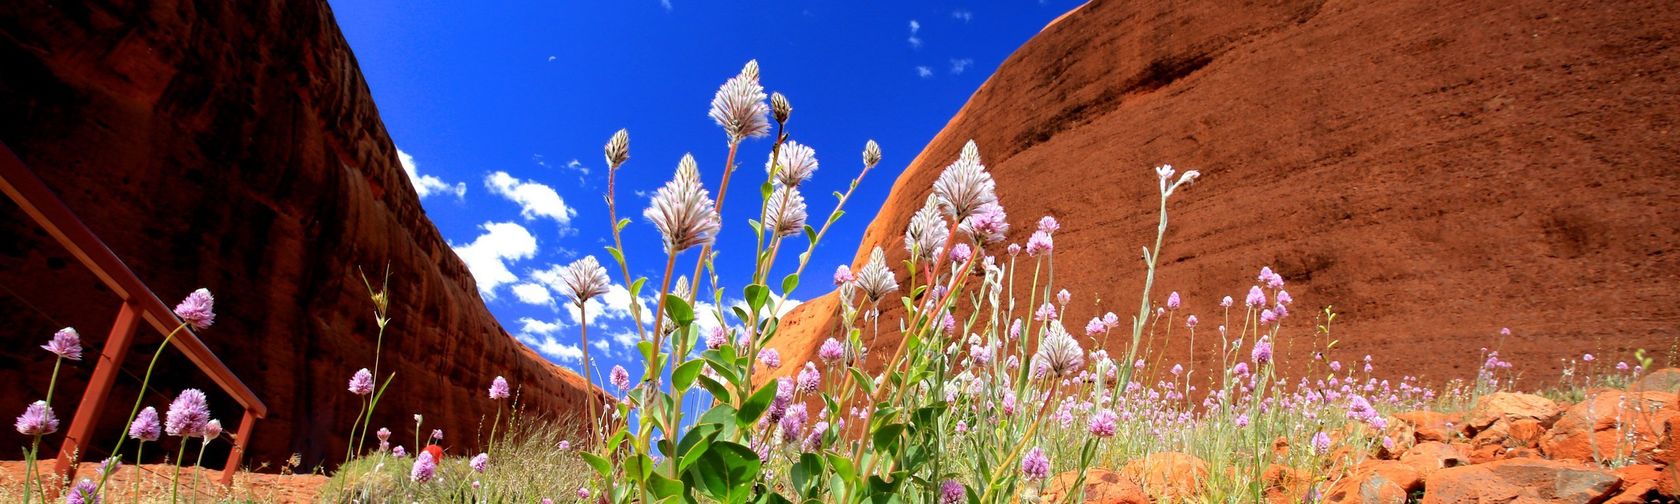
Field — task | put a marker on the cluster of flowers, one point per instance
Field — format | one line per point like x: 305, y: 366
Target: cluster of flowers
x: 187, y: 417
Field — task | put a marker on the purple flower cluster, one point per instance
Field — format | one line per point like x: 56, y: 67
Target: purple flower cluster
x: 146, y: 426
x: 66, y: 343
x: 1035, y: 466
x: 37, y: 420
x: 424, y: 468
x: 831, y: 352
x: 188, y: 414
x: 362, y: 382
x: 480, y: 462
x: 198, y: 309
x: 499, y: 389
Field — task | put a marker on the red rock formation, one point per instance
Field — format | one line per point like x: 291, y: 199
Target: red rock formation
x: 235, y: 146
x: 1433, y: 171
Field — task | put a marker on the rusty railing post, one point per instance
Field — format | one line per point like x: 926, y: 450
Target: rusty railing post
x: 239, y: 443
x: 99, y: 388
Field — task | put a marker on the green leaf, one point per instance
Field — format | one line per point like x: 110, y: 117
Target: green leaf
x: 808, y: 474
x: 842, y: 466
x: 683, y: 377
x: 601, y: 465
x: 863, y: 381
x: 663, y: 487
x: 757, y: 296
x: 636, y: 286
x: 811, y: 234
x: 616, y: 255
x: 835, y: 216
x: 679, y: 310
x: 623, y: 222
x: 719, y: 391
x: 789, y: 283
x: 887, y: 437
x: 764, y: 190
x: 726, y: 472
x: 755, y: 405
x: 757, y: 228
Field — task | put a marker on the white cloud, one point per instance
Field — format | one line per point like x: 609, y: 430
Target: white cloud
x: 535, y: 200
x: 554, y: 349
x: 915, y: 41
x: 666, y: 4
x: 533, y: 293
x: 577, y: 165
x: 535, y: 327
x: 626, y: 338
x: 963, y: 14
x: 552, y: 58
x: 427, y: 185
x: 924, y: 72
x: 958, y: 66
x: 487, y: 256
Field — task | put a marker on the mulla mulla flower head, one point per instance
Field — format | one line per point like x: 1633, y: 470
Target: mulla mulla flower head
x: 584, y: 279
x: 798, y: 161
x: 786, y: 212
x: 618, y: 149
x: 965, y: 186
x: 188, y: 414
x: 926, y: 234
x: 739, y: 106
x: 683, y: 210
x: 871, y: 154
x: 1058, y: 352
x: 875, y: 279
x: 37, y: 420
x: 780, y: 108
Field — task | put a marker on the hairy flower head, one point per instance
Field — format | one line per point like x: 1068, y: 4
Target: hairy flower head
x: 584, y: 279
x: 683, y: 209
x: 871, y: 154
x: 187, y: 414
x: 618, y: 149
x: 739, y: 106
x: 875, y: 279
x: 786, y: 212
x: 965, y: 185
x: 926, y: 234
x: 66, y: 343
x: 1058, y: 352
x: 37, y: 420
x: 198, y: 309
x: 798, y: 161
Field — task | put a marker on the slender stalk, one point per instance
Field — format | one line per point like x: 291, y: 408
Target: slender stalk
x: 706, y: 250
x: 175, y: 483
x: 588, y: 376
x: 203, y: 442
x: 31, y: 477
x: 141, y: 397
x: 350, y: 443
x: 139, y: 449
x: 498, y: 420
x: 618, y: 244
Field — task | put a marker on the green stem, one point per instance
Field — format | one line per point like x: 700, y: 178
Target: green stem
x: 141, y: 397
x: 139, y: 449
x: 203, y: 443
x: 175, y: 483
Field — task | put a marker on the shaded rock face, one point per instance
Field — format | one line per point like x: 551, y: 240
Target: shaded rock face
x: 235, y: 146
x: 1432, y: 171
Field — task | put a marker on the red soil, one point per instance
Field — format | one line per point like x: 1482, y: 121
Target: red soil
x: 1435, y: 171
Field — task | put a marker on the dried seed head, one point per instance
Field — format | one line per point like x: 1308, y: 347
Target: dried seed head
x: 926, y: 234
x: 965, y: 186
x: 584, y: 279
x: 874, y: 278
x: 871, y: 154
x: 739, y: 106
x: 618, y: 149
x: 787, y: 212
x: 780, y: 107
x: 798, y: 162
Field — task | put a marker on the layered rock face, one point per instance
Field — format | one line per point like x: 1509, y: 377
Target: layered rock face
x: 235, y: 146
x: 1433, y: 171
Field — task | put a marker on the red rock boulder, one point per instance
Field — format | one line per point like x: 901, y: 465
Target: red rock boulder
x: 1101, y: 486
x: 1530, y: 481
x: 1611, y: 425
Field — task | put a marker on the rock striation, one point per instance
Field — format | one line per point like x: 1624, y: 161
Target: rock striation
x: 1434, y: 172
x: 235, y: 146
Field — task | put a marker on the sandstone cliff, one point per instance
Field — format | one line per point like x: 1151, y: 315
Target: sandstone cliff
x: 1435, y: 171
x: 235, y: 146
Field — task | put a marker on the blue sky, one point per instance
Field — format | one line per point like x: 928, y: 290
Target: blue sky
x: 500, y: 110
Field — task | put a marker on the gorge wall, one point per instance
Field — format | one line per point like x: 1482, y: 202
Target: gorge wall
x: 235, y: 146
x: 1435, y: 171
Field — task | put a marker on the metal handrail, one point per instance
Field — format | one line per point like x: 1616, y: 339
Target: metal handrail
x: 138, y: 302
